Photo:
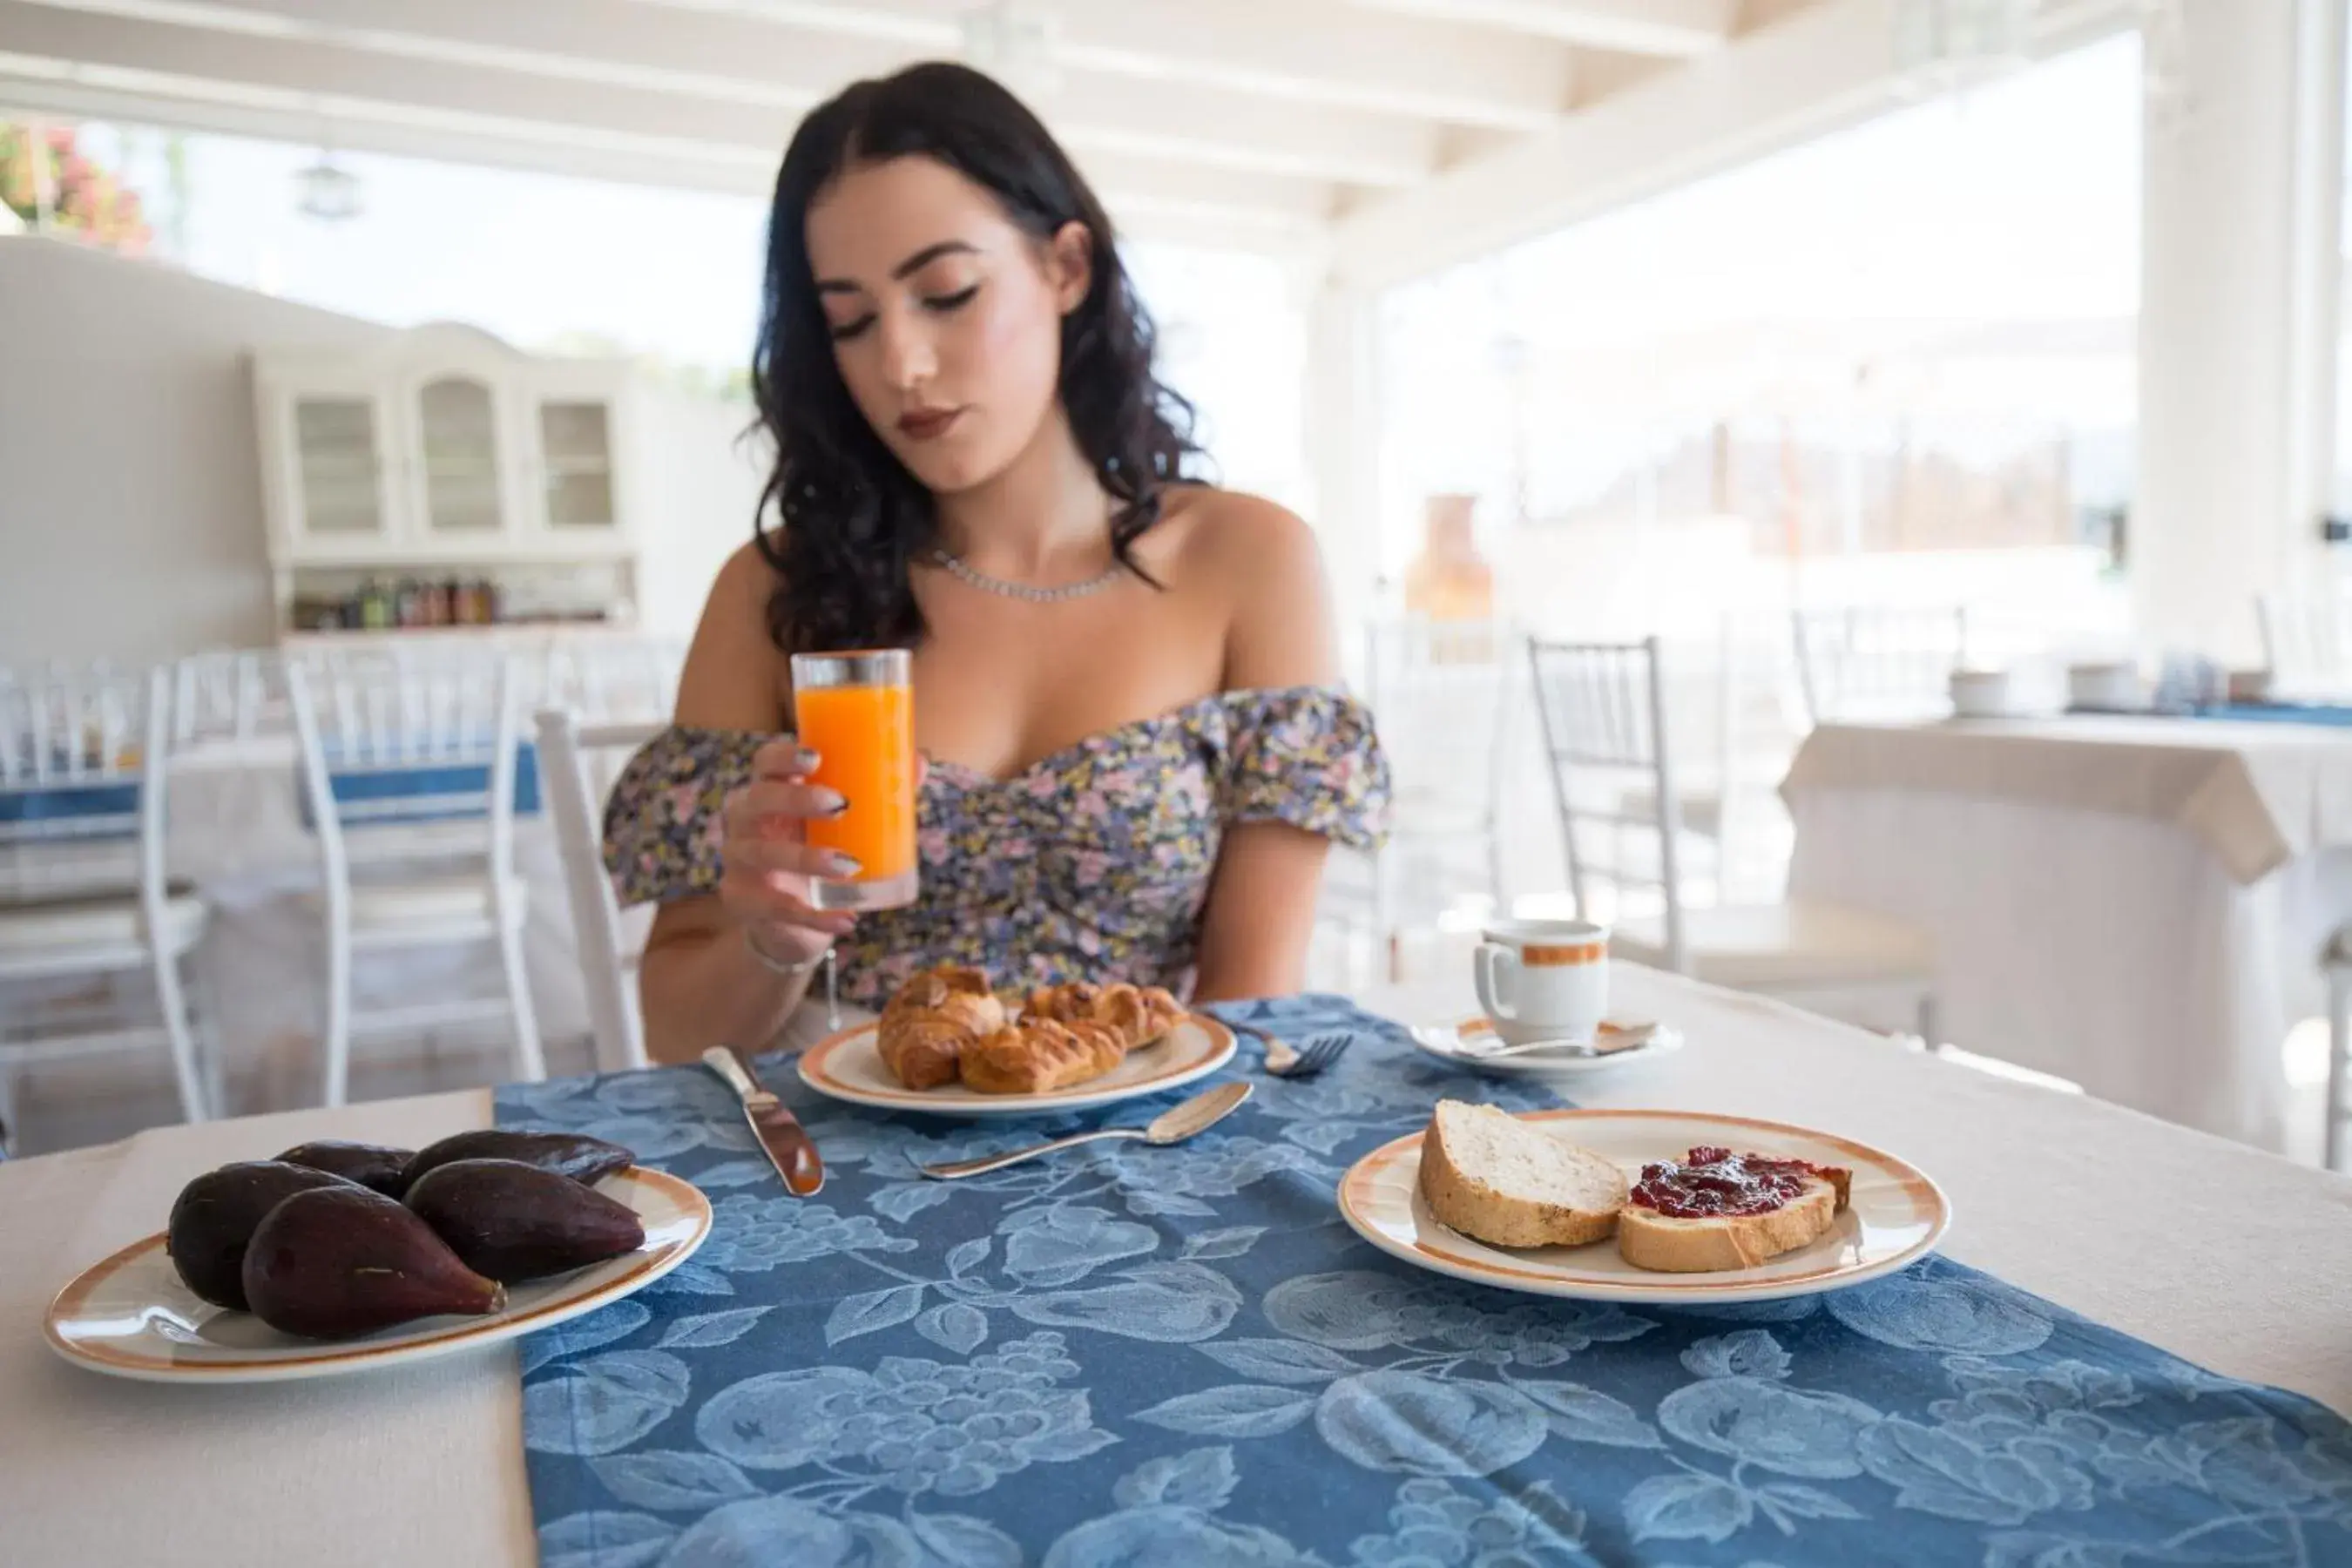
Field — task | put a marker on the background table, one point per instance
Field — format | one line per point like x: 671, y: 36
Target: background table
x: 2240, y: 1268
x: 237, y: 832
x: 2138, y: 906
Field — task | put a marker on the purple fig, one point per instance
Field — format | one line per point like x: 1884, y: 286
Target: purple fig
x: 215, y: 1218
x: 585, y: 1160
x: 338, y: 1261
x: 370, y: 1164
x: 516, y: 1222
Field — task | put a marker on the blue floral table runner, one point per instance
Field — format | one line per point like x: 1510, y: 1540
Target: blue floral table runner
x: 1130, y: 1357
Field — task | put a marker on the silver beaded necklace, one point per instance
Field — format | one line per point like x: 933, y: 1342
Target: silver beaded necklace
x: 1035, y: 595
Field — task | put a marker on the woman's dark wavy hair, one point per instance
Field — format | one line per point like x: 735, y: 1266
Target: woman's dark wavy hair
x: 841, y: 518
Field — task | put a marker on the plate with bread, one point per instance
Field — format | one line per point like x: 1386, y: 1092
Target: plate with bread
x: 950, y: 1043
x: 1669, y: 1207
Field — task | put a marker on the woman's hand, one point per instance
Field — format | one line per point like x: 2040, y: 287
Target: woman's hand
x: 768, y: 864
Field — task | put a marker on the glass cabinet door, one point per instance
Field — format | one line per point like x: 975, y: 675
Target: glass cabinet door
x: 575, y: 442
x: 457, y: 436
x: 339, y: 464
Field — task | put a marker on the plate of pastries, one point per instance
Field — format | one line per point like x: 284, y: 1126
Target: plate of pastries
x: 951, y: 1043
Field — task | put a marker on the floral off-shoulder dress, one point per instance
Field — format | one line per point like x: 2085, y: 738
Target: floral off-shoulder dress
x: 1093, y: 863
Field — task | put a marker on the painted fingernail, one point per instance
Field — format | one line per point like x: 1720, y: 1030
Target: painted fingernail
x: 807, y: 761
x: 844, y: 865
x: 830, y: 803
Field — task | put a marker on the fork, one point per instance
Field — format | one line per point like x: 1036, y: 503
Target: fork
x: 1285, y: 1060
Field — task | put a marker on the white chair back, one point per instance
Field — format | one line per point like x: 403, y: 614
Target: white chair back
x: 1438, y: 690
x: 1864, y: 663
x: 632, y: 680
x: 228, y: 695
x: 2307, y: 641
x: 1603, y: 711
x: 85, y: 770
x: 83, y: 779
x: 575, y: 796
x: 411, y: 745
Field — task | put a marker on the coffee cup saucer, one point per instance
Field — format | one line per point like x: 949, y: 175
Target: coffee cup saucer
x: 1475, y: 1044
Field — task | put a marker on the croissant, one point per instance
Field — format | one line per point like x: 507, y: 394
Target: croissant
x: 932, y: 1020
x: 1040, y: 1055
x: 1141, y: 1014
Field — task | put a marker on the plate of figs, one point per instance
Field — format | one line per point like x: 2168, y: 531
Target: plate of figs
x: 340, y: 1257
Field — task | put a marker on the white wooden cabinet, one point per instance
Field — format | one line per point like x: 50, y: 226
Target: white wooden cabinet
x: 446, y: 446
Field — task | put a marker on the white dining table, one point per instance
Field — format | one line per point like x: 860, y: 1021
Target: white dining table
x: 2216, y: 1252
x: 2136, y: 905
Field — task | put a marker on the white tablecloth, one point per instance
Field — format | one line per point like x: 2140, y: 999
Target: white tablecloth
x: 2233, y: 1259
x: 2137, y: 906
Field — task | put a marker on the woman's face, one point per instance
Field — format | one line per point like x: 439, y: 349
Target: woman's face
x: 946, y: 317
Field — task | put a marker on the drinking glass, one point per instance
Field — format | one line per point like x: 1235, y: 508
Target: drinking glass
x: 857, y: 711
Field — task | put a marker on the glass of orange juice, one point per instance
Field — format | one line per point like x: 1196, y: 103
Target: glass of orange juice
x: 856, y: 712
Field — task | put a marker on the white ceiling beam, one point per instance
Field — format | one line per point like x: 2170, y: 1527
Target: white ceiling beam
x: 1815, y: 72
x: 1632, y: 27
x: 68, y: 89
x: 1316, y: 51
x: 38, y: 89
x: 1321, y: 53
x: 510, y: 59
x: 1145, y: 200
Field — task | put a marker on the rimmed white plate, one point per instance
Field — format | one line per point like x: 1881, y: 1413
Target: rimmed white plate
x: 848, y: 1066
x: 1458, y: 1045
x: 1895, y: 1217
x: 130, y: 1316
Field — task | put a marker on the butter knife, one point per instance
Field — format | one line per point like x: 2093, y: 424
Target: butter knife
x: 786, y: 1142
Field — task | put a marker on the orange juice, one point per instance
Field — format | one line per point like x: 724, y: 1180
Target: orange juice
x: 856, y: 712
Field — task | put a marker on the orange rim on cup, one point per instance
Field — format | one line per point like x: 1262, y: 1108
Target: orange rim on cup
x: 857, y: 711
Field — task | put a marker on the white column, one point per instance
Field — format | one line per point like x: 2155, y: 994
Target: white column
x: 2240, y: 191
x: 1343, y: 446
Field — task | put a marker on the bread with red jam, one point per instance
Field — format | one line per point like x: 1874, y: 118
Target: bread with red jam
x: 1715, y: 1210
x: 1508, y: 1182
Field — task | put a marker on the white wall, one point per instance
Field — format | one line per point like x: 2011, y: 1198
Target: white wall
x: 130, y: 519
x: 130, y: 523
x: 701, y: 482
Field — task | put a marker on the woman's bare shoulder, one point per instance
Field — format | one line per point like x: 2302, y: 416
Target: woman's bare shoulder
x: 734, y: 672
x: 1260, y: 560
x: 1242, y: 541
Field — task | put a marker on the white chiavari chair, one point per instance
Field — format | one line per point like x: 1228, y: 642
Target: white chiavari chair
x: 84, y: 786
x: 577, y: 763
x: 1866, y: 663
x: 410, y: 774
x: 1602, y: 708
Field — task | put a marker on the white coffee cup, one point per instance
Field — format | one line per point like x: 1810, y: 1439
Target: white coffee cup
x: 1544, y: 980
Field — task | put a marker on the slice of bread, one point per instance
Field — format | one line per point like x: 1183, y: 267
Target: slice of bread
x: 1648, y: 1239
x: 1511, y: 1184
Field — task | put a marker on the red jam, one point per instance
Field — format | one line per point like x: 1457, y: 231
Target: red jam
x: 1715, y: 1184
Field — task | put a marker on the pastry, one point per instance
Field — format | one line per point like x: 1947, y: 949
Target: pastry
x: 1141, y: 1014
x: 1040, y: 1055
x: 932, y: 1020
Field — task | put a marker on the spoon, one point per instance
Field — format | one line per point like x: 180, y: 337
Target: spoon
x: 1621, y: 1037
x: 1173, y: 1125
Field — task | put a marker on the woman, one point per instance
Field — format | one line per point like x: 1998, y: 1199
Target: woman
x: 1123, y: 679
